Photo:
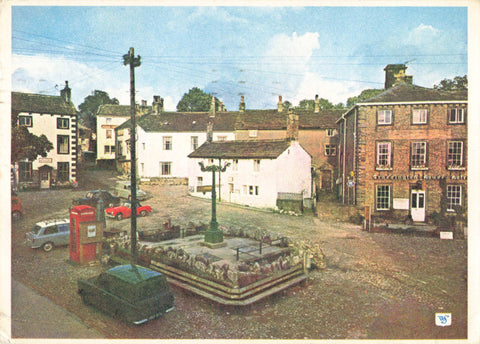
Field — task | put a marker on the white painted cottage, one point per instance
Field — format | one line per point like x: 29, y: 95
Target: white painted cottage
x: 164, y: 140
x: 259, y: 172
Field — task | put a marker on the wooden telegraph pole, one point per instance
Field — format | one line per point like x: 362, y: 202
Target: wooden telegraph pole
x: 133, y: 61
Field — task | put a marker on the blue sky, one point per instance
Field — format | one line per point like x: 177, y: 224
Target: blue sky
x: 258, y: 52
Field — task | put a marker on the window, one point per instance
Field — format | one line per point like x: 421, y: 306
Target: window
x: 167, y: 143
x: 221, y: 138
x: 235, y: 164
x: 252, y: 133
x: 256, y: 190
x: 250, y: 189
x: 50, y: 230
x: 382, y: 197
x: 25, y: 171
x: 455, y: 154
x: 62, y: 123
x: 419, y: 154
x: 142, y: 168
x: 419, y: 116
x: 456, y: 115
x: 199, y: 181
x: 25, y: 121
x: 384, y: 117
x: 109, y: 149
x: 109, y: 120
x: 194, y: 142
x: 63, y: 171
x: 245, y: 189
x: 454, y: 197
x: 384, y: 154
x: 109, y: 133
x: 256, y: 165
x: 63, y: 146
x: 330, y: 150
x: 330, y: 132
x: 165, y: 168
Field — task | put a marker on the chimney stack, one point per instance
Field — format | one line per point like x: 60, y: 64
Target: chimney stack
x: 210, y: 131
x: 317, y: 104
x: 157, y: 104
x: 395, y: 74
x: 241, y: 107
x: 212, y: 106
x: 280, y: 104
x: 292, y: 126
x: 66, y: 93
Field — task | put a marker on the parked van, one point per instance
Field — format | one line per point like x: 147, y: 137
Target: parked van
x: 122, y: 189
x: 48, y: 234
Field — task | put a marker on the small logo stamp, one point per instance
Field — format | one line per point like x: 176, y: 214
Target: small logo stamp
x: 443, y: 319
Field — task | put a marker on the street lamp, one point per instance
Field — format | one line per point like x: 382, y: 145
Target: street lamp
x: 213, y: 235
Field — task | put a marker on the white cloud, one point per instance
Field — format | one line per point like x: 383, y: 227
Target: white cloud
x: 422, y: 34
x: 47, y: 75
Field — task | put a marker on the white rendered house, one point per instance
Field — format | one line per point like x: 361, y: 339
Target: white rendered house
x: 165, y: 139
x: 56, y: 118
x: 257, y: 172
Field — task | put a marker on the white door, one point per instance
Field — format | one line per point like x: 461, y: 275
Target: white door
x: 44, y: 179
x: 418, y: 205
x: 230, y: 191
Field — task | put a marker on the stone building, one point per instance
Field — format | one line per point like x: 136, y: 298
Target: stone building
x: 403, y: 153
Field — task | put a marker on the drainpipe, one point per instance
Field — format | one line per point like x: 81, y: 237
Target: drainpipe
x: 219, y: 182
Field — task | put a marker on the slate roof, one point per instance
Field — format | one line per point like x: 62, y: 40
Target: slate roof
x: 241, y: 149
x: 274, y: 120
x: 113, y: 110
x: 40, y: 103
x: 184, y: 122
x: 411, y: 93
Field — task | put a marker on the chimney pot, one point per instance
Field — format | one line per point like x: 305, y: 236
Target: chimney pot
x: 241, y: 107
x: 280, y: 104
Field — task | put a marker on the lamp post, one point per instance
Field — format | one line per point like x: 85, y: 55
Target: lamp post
x: 213, y: 235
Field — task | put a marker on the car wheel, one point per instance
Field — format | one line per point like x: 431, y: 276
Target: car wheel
x: 48, y: 246
x: 143, y: 213
x: 16, y: 215
x: 119, y: 216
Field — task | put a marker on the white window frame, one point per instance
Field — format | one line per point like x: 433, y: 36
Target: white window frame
x: 108, y: 133
x: 235, y: 165
x: 256, y: 165
x: 384, y: 158
x: 221, y: 138
x: 199, y: 181
x: 454, y: 196
x: 419, y: 116
x: 162, y: 169
x: 26, y: 121
x: 63, y: 123
x: 382, y: 118
x: 452, y: 154
x: 380, y: 199
x: 252, y: 133
x: 415, y: 151
x: 167, y: 143
x: 193, y: 142
x: 458, y: 114
x: 330, y: 150
x: 330, y: 132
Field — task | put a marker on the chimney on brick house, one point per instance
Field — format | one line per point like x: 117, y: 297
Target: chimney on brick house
x: 292, y: 126
x: 241, y: 107
x: 395, y: 74
x: 157, y: 104
x: 66, y: 93
x: 222, y: 107
x: 316, y: 106
x: 280, y: 104
x: 212, y: 106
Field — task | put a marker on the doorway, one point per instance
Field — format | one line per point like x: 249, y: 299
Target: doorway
x: 417, y: 207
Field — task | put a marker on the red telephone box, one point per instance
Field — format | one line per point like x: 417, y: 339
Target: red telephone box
x: 86, y: 234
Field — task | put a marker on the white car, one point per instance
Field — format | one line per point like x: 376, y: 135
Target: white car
x: 123, y: 189
x: 48, y: 234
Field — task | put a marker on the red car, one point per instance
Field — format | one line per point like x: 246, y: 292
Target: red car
x: 125, y: 211
x: 16, y: 208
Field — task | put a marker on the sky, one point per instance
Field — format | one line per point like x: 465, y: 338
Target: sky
x: 229, y: 51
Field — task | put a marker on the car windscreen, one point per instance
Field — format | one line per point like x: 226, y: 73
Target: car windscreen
x: 36, y: 229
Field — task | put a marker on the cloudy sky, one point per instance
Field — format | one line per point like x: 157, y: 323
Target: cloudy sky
x: 258, y: 52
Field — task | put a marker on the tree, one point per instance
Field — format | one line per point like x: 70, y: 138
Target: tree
x: 26, y: 145
x: 366, y: 94
x: 89, y: 107
x: 459, y: 83
x: 196, y: 101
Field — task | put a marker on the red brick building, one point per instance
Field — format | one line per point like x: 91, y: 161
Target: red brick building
x: 403, y: 153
